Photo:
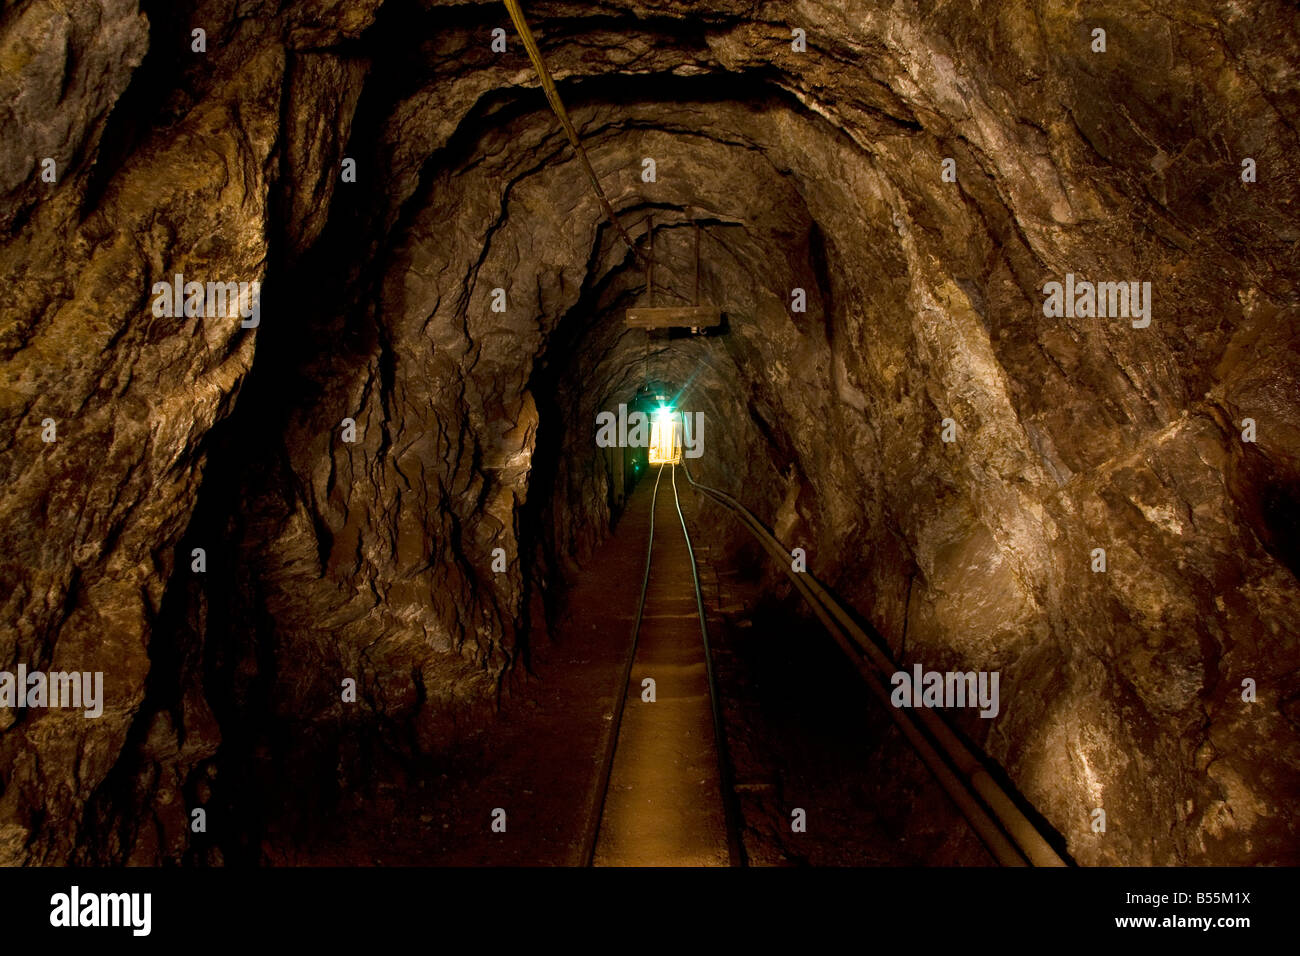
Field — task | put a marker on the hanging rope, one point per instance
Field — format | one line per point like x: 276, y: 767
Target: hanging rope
x: 553, y: 96
x: 649, y: 286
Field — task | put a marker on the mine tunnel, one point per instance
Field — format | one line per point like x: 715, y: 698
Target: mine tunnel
x: 962, y: 530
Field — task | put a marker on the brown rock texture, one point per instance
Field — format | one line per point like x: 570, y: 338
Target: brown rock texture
x: 822, y: 170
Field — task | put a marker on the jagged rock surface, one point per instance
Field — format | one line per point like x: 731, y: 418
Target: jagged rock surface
x: 818, y: 170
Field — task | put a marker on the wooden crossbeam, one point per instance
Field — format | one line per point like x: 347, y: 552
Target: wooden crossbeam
x: 690, y: 316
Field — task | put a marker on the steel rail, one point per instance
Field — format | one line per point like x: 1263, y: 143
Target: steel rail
x: 611, y: 745
x: 735, y: 847
x: 1003, y: 828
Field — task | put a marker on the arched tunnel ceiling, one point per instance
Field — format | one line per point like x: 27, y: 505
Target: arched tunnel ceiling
x: 819, y: 171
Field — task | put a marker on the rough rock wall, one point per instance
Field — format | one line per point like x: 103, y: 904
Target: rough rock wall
x: 819, y: 170
x: 92, y: 518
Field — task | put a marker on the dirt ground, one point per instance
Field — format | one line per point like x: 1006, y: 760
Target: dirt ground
x: 802, y: 735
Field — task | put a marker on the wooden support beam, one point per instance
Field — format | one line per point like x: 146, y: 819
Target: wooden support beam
x: 691, y: 317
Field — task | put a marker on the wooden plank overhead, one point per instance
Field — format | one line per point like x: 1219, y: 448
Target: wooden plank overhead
x: 689, y: 316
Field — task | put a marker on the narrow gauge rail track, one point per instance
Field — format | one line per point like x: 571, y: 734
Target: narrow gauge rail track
x: 640, y: 817
x: 665, y: 792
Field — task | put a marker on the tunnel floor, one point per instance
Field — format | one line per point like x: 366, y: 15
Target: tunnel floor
x: 801, y: 734
x: 537, y: 760
x: 664, y: 804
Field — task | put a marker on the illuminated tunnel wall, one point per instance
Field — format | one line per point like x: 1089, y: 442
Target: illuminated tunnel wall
x: 462, y: 302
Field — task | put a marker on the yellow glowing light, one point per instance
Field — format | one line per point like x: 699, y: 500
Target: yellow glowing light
x: 665, y: 438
